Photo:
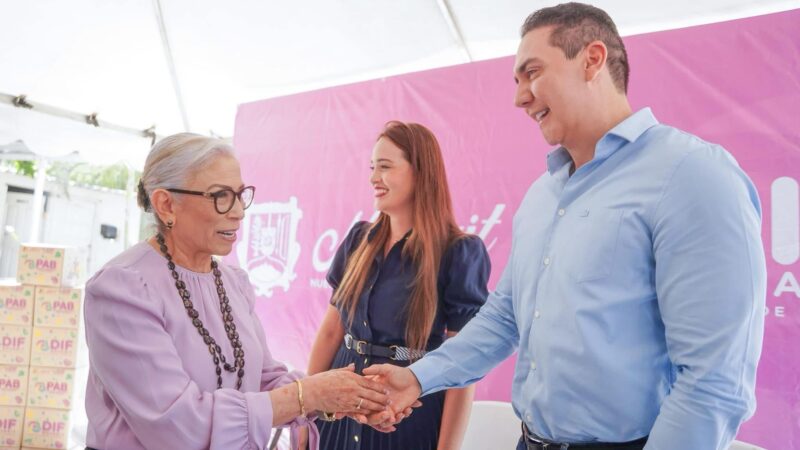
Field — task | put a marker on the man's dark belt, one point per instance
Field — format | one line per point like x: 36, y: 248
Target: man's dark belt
x: 393, y: 352
x: 534, y: 442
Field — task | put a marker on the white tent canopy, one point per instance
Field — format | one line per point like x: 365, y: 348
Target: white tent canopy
x: 187, y: 64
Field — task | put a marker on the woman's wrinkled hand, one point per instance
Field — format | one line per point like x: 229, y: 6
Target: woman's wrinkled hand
x: 344, y: 391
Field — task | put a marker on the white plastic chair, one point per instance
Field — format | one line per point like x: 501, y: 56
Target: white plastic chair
x: 739, y: 445
x: 492, y: 425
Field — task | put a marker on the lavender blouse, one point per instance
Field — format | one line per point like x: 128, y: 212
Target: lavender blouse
x: 152, y: 382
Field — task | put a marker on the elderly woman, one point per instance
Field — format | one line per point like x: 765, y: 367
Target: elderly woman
x: 179, y: 359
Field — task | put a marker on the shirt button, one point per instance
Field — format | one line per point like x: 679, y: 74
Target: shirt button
x: 533, y: 366
x: 547, y: 261
x: 536, y: 314
x: 366, y: 360
x: 365, y: 323
x: 355, y: 438
x: 528, y: 417
x: 561, y: 212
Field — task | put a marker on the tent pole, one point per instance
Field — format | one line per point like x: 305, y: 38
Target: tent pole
x: 20, y: 101
x: 452, y: 24
x: 38, y: 199
x: 173, y: 72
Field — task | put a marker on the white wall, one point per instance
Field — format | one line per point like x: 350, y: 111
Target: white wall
x: 72, y: 216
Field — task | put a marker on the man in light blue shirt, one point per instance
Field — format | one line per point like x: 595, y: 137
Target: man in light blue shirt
x: 635, y: 288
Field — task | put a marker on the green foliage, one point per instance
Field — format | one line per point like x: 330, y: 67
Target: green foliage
x: 27, y: 168
x: 112, y: 177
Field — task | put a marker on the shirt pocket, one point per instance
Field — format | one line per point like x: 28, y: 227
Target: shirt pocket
x: 594, y: 244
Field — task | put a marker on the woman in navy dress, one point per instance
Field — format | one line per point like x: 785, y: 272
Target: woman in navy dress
x: 401, y: 286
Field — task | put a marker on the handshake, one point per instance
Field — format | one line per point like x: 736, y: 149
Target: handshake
x: 382, y: 398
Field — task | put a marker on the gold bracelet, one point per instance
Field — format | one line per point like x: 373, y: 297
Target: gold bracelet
x: 300, y: 397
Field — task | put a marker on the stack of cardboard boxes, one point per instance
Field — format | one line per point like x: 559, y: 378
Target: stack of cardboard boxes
x: 39, y: 320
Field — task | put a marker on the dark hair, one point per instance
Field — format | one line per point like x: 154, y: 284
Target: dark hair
x: 578, y: 24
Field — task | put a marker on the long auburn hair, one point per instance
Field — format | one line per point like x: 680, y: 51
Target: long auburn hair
x: 434, y: 229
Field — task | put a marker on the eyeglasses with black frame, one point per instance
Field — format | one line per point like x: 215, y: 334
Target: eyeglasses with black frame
x: 224, y: 199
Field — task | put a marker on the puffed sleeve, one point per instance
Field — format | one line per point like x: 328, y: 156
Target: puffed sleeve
x: 134, y: 358
x: 336, y: 271
x: 465, y: 268
x: 274, y: 374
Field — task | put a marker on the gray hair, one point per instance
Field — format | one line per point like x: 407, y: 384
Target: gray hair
x: 175, y: 159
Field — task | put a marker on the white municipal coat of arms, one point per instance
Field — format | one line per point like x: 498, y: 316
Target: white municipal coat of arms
x: 268, y: 250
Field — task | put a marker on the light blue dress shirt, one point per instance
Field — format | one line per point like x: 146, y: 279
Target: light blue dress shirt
x: 635, y: 293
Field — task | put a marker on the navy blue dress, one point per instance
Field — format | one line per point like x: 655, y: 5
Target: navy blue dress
x: 380, y: 319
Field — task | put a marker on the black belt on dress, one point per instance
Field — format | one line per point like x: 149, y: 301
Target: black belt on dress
x: 393, y: 352
x: 534, y: 442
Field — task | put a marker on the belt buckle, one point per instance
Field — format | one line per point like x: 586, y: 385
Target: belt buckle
x: 393, y: 348
x: 544, y: 445
x: 359, y: 347
x: 348, y: 341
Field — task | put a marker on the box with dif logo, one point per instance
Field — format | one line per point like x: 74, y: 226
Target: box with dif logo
x: 50, y: 387
x: 58, y: 307
x: 49, y: 265
x: 46, y: 428
x: 13, y: 385
x: 15, y: 345
x: 11, y: 425
x: 54, y: 347
x: 16, y: 304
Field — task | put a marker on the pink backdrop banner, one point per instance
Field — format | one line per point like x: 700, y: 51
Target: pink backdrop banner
x: 735, y: 83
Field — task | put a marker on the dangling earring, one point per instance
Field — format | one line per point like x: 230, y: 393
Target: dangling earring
x: 170, y: 224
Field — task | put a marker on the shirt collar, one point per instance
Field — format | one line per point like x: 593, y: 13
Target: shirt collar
x: 629, y: 130
x: 374, y: 229
x: 557, y: 159
x: 634, y: 126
